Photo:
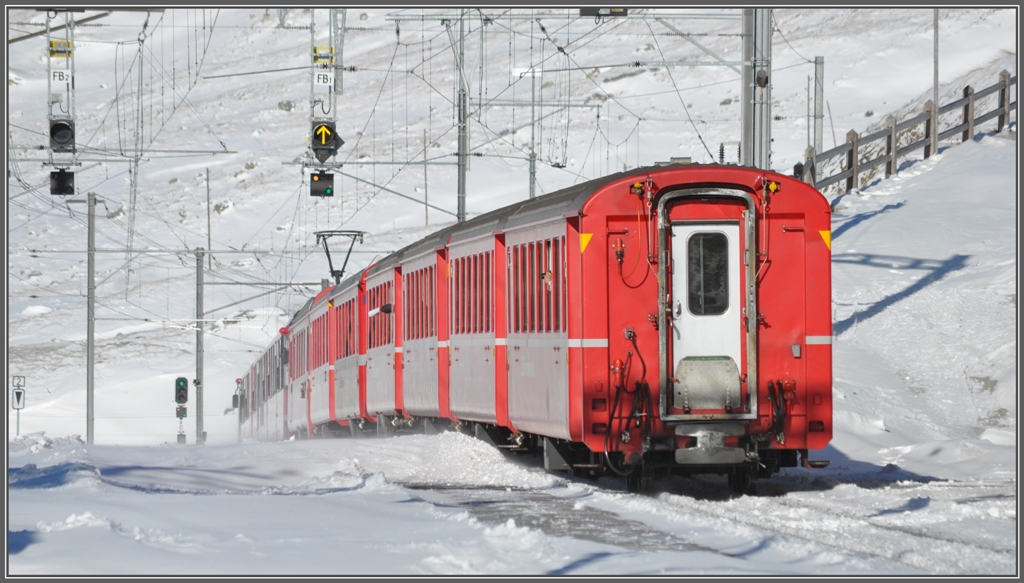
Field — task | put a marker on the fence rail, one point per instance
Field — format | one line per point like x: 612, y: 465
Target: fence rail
x: 856, y: 144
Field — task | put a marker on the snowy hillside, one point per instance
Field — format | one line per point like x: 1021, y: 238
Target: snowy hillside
x: 923, y: 477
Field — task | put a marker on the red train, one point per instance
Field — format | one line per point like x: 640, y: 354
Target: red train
x: 666, y: 320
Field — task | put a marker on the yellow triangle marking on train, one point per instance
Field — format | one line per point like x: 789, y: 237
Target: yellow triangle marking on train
x: 584, y: 241
x: 827, y: 237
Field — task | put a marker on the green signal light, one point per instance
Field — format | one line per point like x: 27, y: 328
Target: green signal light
x: 330, y: 191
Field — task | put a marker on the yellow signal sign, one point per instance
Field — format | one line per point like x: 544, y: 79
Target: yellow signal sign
x: 324, y: 133
x: 60, y: 49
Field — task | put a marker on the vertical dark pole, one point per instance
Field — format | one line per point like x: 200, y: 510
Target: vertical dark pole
x: 90, y: 356
x: 200, y: 437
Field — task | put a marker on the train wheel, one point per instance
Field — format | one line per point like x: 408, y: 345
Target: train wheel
x: 743, y: 481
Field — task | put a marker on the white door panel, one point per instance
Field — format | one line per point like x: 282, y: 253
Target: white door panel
x: 706, y: 314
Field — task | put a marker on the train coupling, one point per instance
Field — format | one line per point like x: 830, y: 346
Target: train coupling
x: 710, y: 448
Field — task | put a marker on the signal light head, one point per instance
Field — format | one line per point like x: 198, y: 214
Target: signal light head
x: 321, y: 184
x: 62, y: 182
x: 181, y: 390
x: 62, y: 135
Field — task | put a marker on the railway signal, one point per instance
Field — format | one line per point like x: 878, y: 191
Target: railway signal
x: 325, y: 140
x: 62, y: 135
x: 181, y: 391
x: 321, y: 184
x: 62, y: 182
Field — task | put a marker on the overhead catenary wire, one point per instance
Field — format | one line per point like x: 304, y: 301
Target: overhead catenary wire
x: 681, y: 100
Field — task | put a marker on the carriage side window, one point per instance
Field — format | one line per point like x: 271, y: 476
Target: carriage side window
x: 432, y: 316
x: 488, y: 296
x: 707, y: 274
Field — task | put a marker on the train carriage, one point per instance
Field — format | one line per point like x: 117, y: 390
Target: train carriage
x: 477, y: 343
x: 297, y: 333
x: 424, y: 330
x: 322, y: 345
x: 383, y: 339
x: 349, y: 399
x: 670, y: 319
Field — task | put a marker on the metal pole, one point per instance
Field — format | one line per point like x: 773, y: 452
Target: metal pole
x: 71, y: 63
x: 90, y: 332
x: 819, y: 101
x: 533, y: 129
x: 209, y: 243
x: 426, y: 206
x: 312, y: 72
x: 747, y: 89
x: 339, y: 63
x: 199, y: 346
x: 463, y: 122
x: 935, y: 87
x: 49, y: 75
x: 332, y: 24
x: 808, y: 110
x: 762, y: 89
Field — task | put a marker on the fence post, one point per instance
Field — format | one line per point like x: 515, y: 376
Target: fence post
x: 891, y: 145
x: 968, y: 114
x: 809, y: 166
x: 932, y: 144
x: 852, y: 161
x: 1004, y: 100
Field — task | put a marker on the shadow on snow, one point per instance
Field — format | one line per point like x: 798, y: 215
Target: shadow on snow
x: 938, y: 269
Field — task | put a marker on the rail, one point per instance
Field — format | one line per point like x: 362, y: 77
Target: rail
x: 853, y: 168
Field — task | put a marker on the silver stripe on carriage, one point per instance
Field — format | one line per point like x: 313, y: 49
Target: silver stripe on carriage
x: 442, y: 344
x: 398, y: 349
x: 362, y: 359
x: 818, y: 340
x: 588, y: 343
x: 500, y: 341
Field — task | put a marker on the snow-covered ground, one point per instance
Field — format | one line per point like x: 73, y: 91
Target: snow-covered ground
x: 924, y: 460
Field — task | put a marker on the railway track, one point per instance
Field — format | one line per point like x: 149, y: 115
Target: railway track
x: 930, y: 527
x: 914, y: 524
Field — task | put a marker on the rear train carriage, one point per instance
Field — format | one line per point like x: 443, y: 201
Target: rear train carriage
x: 671, y: 319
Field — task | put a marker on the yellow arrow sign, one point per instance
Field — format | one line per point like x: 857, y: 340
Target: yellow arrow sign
x: 324, y: 133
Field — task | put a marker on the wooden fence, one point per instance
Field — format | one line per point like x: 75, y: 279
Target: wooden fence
x: 857, y: 145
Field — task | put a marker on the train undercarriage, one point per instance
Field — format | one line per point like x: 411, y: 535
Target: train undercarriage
x: 659, y: 461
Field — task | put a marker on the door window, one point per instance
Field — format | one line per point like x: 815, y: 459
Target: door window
x: 707, y: 274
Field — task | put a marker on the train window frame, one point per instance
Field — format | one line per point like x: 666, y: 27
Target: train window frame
x: 721, y: 287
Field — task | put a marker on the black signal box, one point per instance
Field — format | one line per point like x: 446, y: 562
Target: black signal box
x: 62, y: 182
x: 321, y: 184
